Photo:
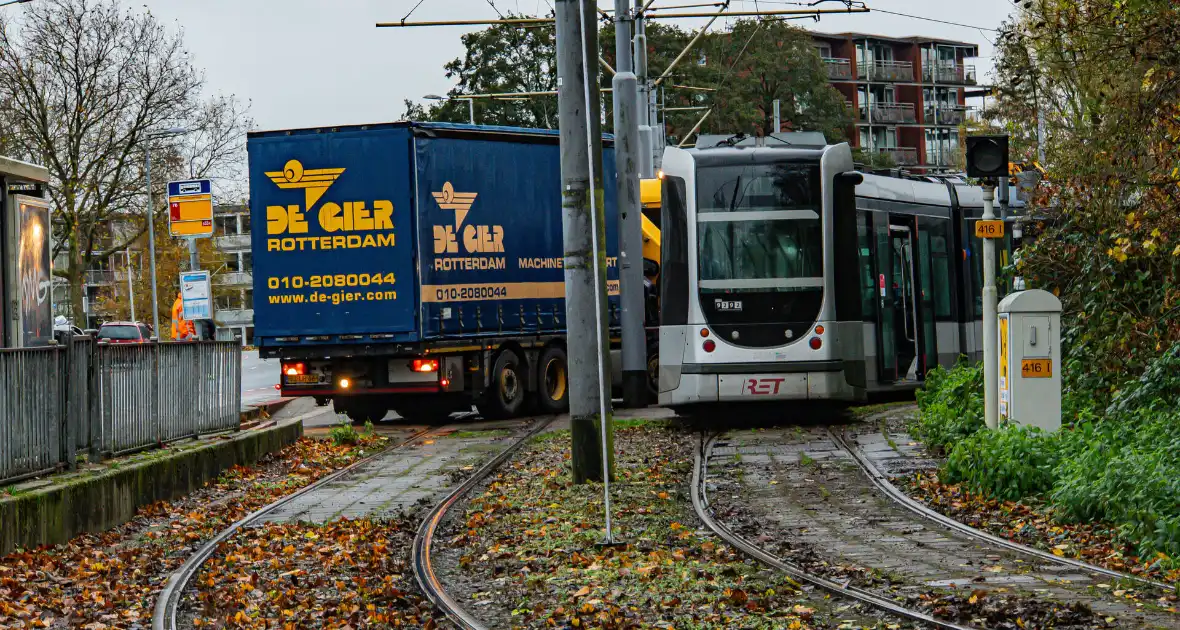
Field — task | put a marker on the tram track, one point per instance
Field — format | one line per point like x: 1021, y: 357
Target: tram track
x: 420, y: 559
x: 169, y: 599
x: 700, y: 504
x: 899, y: 497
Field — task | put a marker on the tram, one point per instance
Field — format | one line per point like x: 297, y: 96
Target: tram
x: 787, y: 274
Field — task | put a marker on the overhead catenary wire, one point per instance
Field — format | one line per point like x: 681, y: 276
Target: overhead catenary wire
x: 525, y: 21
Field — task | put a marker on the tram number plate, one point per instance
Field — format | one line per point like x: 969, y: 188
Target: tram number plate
x: 303, y: 378
x: 1036, y: 368
x: 989, y: 229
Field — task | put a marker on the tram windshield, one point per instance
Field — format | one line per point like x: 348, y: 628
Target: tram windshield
x: 758, y: 227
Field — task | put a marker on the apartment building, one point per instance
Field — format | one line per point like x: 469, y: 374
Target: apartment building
x: 233, y: 308
x: 907, y: 95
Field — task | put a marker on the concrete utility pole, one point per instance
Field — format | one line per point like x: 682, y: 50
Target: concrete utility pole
x: 584, y: 226
x: 630, y: 226
x: 991, y: 343
x: 646, y: 143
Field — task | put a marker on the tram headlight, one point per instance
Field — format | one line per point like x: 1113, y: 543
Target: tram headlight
x: 709, y: 345
x: 816, y: 343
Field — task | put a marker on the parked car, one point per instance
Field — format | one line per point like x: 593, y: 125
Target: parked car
x: 125, y: 332
x: 63, y: 328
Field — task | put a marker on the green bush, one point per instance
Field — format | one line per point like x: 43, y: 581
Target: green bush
x: 344, y: 434
x: 1009, y: 464
x: 951, y: 405
x: 1124, y: 470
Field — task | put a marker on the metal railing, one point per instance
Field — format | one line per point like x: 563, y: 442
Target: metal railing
x: 838, y: 68
x: 100, y: 277
x: 890, y: 113
x: 111, y: 399
x: 946, y: 115
x: 886, y: 71
x: 948, y: 72
x: 902, y: 156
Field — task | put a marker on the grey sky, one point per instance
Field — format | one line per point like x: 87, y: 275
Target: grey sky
x: 306, y: 63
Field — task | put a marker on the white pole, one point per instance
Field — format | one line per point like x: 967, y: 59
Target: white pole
x: 130, y: 287
x: 471, y: 109
x: 778, y: 118
x: 991, y: 368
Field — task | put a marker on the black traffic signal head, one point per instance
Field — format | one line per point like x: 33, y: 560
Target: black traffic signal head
x: 987, y: 156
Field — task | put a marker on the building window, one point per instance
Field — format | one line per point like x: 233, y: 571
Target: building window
x: 225, y: 303
x: 232, y: 264
x: 225, y: 225
x: 247, y: 262
x: 248, y: 299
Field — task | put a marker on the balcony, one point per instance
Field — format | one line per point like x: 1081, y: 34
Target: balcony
x: 239, y: 317
x: 886, y: 71
x: 902, y: 156
x: 889, y: 113
x: 946, y: 115
x: 952, y: 73
x: 838, y: 69
x: 100, y: 278
x: 232, y: 243
x: 233, y: 279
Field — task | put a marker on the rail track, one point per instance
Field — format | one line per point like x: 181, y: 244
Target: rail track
x: 424, y: 540
x: 168, y: 601
x: 700, y: 503
x: 882, y: 482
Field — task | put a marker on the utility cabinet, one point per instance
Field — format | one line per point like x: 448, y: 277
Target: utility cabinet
x: 1030, y: 359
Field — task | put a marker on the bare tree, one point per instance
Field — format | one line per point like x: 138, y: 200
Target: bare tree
x: 83, y: 86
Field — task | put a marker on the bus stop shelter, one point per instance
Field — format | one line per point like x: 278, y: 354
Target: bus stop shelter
x: 26, y: 281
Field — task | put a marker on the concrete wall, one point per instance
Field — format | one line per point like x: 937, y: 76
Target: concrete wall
x: 96, y: 501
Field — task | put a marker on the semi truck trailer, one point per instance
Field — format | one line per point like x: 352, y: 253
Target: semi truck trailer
x: 417, y: 267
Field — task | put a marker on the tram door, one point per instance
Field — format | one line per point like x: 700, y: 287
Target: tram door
x: 904, y: 302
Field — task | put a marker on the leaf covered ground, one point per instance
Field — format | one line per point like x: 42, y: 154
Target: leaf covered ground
x: 110, y: 580
x: 1033, y: 524
x: 343, y: 574
x: 527, y: 551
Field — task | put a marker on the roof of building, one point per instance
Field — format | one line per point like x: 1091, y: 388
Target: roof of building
x: 913, y: 39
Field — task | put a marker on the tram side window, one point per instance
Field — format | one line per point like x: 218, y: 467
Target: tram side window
x: 976, y: 259
x: 941, y: 269
x: 674, y: 254
x: 868, y: 291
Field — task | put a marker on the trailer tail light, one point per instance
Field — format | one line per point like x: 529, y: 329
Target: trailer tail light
x: 444, y: 383
x: 816, y: 343
x: 424, y: 365
x: 345, y: 383
x: 709, y: 345
x: 295, y: 369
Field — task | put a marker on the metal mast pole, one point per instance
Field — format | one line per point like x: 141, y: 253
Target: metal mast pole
x: 646, y: 143
x: 585, y: 264
x: 151, y: 219
x: 991, y: 344
x: 630, y: 228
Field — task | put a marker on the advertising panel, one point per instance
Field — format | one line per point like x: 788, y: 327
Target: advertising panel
x: 35, y: 272
x: 332, y: 241
x: 490, y: 232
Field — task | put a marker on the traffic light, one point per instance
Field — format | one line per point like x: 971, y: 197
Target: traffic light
x: 987, y: 156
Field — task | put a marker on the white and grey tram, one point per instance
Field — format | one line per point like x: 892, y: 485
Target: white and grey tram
x: 787, y: 274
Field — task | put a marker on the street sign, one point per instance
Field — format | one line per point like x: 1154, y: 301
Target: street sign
x: 196, y: 296
x: 190, y: 208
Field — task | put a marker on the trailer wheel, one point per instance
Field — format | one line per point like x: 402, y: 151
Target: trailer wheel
x: 553, y: 381
x: 506, y: 397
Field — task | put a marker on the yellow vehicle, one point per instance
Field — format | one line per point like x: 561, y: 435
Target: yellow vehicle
x: 650, y: 192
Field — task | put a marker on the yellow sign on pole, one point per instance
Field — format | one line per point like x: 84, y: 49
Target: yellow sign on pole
x: 190, y: 208
x: 989, y: 229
